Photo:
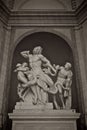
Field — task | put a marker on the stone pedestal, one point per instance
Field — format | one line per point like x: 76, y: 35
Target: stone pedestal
x: 27, y: 106
x: 44, y: 119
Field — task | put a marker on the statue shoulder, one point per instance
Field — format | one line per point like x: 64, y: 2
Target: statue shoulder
x: 41, y: 57
x: 70, y: 74
x: 61, y: 67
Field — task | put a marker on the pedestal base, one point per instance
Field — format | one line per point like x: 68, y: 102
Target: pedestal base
x: 44, y: 119
x: 26, y: 106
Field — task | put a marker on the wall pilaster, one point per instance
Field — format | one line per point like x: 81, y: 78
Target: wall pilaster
x: 80, y: 44
x: 4, y: 57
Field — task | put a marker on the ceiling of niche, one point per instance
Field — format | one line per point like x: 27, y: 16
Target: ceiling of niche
x: 42, y: 4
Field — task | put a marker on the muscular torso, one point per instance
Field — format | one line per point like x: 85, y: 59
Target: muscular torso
x: 62, y: 73
x: 35, y: 63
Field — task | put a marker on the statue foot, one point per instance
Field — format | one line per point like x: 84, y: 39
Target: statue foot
x: 35, y: 101
x: 63, y: 107
x: 40, y: 102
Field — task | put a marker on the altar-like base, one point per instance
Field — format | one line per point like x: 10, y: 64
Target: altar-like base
x: 44, y: 119
x: 26, y: 106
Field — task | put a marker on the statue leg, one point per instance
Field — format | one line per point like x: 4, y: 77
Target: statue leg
x: 68, y: 100
x: 61, y: 95
x: 55, y: 102
x: 48, y: 80
x: 42, y: 91
x: 34, y: 90
x: 44, y: 94
x: 38, y: 90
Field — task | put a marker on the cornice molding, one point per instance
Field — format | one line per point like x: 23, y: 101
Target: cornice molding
x: 43, y: 17
x: 42, y: 12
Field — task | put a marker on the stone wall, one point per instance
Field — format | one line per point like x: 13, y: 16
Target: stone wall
x: 84, y: 43
x: 4, y: 48
x: 71, y: 26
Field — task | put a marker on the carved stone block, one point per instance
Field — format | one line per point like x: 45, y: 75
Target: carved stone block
x: 44, y: 120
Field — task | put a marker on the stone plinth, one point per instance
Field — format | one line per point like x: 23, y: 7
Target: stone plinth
x: 27, y: 106
x: 44, y: 119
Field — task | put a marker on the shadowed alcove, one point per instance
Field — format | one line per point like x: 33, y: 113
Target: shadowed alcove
x: 55, y: 49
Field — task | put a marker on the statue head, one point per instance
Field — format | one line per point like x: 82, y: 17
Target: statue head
x: 37, y: 50
x: 18, y: 65
x: 68, y: 65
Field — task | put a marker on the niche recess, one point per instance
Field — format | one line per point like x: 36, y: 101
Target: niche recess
x: 55, y: 48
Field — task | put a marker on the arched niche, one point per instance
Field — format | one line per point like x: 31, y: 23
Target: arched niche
x: 55, y: 48
x: 42, y: 4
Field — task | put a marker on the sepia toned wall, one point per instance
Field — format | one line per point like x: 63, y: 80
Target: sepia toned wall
x: 40, y: 4
x: 70, y: 27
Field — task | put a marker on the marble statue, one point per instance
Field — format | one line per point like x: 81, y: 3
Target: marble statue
x: 63, y: 84
x: 22, y: 80
x: 38, y: 64
x: 35, y: 80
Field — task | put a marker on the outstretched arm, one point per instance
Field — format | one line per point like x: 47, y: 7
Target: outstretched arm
x: 25, y: 54
x: 47, y: 63
x: 48, y: 71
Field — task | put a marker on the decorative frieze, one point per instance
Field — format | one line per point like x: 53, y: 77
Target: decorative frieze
x: 73, y: 3
x: 44, y: 17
